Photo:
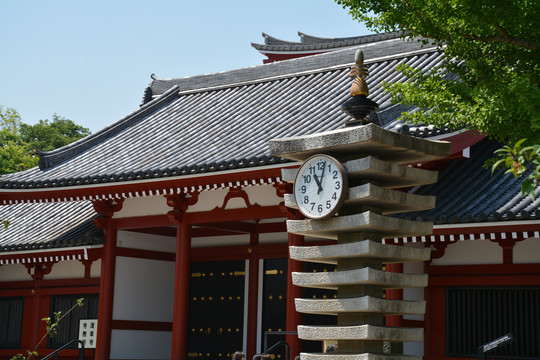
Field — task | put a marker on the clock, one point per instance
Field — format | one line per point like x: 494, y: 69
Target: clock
x: 320, y: 187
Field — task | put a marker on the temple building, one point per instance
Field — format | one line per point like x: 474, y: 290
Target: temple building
x: 170, y: 222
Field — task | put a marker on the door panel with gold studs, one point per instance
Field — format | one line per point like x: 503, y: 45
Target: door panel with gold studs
x: 216, y: 309
x: 274, y: 310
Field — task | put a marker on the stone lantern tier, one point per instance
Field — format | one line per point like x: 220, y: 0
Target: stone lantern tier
x: 377, y: 162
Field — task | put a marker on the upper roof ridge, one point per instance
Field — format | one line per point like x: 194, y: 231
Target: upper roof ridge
x: 385, y: 48
x: 271, y: 40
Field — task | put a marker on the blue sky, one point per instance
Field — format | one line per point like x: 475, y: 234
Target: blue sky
x: 90, y: 61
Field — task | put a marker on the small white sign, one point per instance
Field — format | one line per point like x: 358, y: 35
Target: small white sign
x: 88, y: 332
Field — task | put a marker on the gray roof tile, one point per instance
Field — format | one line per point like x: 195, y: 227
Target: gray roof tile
x: 48, y: 226
x: 192, y: 129
x: 313, y: 43
x: 468, y: 193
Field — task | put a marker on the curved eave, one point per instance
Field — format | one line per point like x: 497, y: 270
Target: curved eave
x: 190, y: 179
x: 189, y: 183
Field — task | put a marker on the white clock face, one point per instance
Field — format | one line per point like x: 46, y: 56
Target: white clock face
x: 320, y: 187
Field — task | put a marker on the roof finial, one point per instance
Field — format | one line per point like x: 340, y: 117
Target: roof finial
x: 359, y: 106
x: 358, y: 72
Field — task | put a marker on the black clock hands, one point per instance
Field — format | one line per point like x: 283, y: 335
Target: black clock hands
x: 322, y: 176
x: 318, y: 183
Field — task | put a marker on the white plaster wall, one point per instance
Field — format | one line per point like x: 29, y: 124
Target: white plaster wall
x: 135, y: 344
x: 143, y: 206
x: 14, y: 272
x: 527, y: 251
x: 264, y: 195
x: 144, y: 290
x: 135, y: 240
x: 209, y: 200
x: 95, y: 271
x: 231, y: 240
x: 413, y: 348
x: 471, y: 252
x: 271, y: 238
x: 72, y: 269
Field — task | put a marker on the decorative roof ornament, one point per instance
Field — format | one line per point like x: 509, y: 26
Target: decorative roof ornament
x: 359, y: 106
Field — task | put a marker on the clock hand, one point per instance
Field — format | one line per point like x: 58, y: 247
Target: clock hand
x: 318, y: 183
x: 322, y: 176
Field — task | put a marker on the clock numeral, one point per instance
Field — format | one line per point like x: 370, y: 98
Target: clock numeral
x: 312, y: 206
x: 334, y: 196
x: 307, y: 178
x: 321, y: 165
x: 328, y: 204
x: 312, y: 169
x: 306, y: 199
x: 338, y: 185
x: 303, y: 189
x: 335, y: 174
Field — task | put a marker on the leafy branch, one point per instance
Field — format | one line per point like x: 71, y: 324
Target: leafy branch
x: 52, y: 331
x: 518, y: 160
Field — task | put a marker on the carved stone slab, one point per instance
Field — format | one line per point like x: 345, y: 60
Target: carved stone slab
x: 388, y: 201
x: 366, y: 356
x: 360, y: 332
x: 329, y: 254
x: 366, y: 304
x: 356, y: 142
x: 383, y: 173
x: 364, y: 276
x: 366, y: 221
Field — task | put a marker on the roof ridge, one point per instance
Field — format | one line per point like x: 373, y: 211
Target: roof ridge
x: 54, y: 157
x: 272, y: 40
x: 315, y: 43
x: 304, y: 72
x: 381, y: 49
x: 310, y: 39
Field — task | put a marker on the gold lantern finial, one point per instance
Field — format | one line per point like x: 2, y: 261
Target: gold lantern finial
x: 358, y: 72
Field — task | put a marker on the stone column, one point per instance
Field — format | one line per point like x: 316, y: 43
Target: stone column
x: 374, y: 160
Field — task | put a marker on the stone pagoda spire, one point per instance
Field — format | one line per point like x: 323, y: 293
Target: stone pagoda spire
x: 374, y: 163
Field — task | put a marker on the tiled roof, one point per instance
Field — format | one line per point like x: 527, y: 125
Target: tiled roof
x: 309, y: 43
x: 468, y: 193
x: 223, y: 121
x: 48, y: 226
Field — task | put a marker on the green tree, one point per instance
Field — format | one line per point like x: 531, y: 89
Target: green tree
x: 49, y: 135
x: 14, y: 154
x: 20, y: 142
x: 490, y: 74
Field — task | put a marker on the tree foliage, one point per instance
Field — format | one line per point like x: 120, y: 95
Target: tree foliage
x: 490, y: 73
x: 489, y: 77
x: 20, y: 142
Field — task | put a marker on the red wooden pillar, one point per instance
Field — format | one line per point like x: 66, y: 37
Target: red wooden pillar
x: 294, y: 318
x: 36, y: 315
x: 106, y: 295
x: 181, y: 292
x: 180, y: 203
x: 106, y: 210
x: 394, y: 294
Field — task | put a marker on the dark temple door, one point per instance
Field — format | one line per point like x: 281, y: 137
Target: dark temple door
x: 216, y: 309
